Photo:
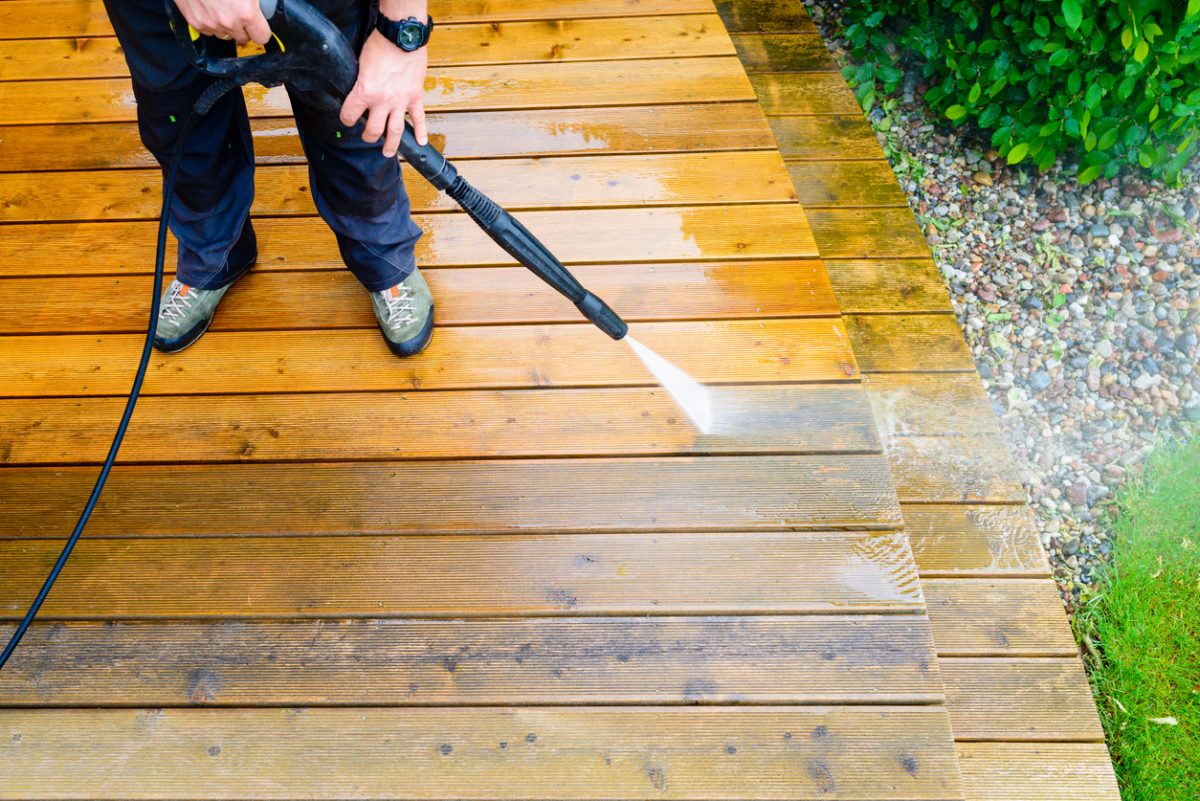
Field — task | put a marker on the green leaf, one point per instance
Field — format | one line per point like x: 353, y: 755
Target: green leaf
x: 1072, y: 13
x: 1193, y: 8
x: 955, y: 113
x: 1109, y: 137
x: 1058, y: 301
x: 1126, y: 38
x: 1141, y: 51
x: 1018, y: 153
x: 1060, y: 58
x: 975, y: 92
x: 1090, y: 174
x: 1041, y: 26
x: 1094, y: 93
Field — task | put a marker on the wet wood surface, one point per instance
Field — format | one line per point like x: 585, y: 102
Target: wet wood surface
x: 508, y: 568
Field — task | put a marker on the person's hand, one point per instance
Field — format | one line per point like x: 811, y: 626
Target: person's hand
x: 390, y: 82
x: 239, y: 20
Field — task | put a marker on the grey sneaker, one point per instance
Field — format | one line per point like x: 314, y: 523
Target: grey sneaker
x: 405, y: 315
x: 184, y: 315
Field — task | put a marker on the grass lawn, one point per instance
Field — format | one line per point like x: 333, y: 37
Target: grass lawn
x: 1145, y: 622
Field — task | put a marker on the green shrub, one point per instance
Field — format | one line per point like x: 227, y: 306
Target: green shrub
x: 1112, y: 82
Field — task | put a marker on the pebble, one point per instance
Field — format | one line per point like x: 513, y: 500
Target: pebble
x: 1094, y: 360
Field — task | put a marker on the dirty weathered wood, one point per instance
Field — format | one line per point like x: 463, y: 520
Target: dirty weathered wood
x: 530, y: 661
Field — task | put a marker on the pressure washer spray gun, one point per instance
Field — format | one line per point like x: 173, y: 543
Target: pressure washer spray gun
x: 310, y: 53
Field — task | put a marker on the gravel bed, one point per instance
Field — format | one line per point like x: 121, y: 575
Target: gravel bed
x: 1081, y: 305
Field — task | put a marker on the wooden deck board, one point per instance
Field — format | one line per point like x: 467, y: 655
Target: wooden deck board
x: 420, y: 573
x: 997, y: 617
x: 975, y: 540
x: 1023, y: 700
x: 520, y: 661
x: 457, y: 425
x: 1037, y: 772
x: 474, y: 357
x: 577, y: 753
x: 782, y: 52
x: 698, y: 494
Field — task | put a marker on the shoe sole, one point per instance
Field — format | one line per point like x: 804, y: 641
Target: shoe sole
x: 404, y: 349
x: 191, y: 339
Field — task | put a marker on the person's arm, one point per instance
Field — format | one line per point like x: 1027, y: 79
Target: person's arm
x: 240, y: 20
x: 390, y: 82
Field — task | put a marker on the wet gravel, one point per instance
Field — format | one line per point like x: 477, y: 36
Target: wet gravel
x: 1081, y: 305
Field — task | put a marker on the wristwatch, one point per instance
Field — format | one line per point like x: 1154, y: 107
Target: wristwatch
x: 407, y: 34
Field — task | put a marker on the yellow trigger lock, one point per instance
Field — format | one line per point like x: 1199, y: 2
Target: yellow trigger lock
x: 195, y: 34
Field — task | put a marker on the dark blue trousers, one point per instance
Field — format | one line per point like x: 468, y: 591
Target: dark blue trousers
x: 357, y: 190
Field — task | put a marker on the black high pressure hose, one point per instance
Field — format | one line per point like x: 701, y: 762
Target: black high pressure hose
x: 201, y: 107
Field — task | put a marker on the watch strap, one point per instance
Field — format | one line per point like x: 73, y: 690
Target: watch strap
x: 398, y: 32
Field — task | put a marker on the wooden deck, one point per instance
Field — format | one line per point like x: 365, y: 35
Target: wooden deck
x: 508, y: 568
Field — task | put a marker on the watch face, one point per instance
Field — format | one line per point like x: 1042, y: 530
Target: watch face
x: 410, y: 36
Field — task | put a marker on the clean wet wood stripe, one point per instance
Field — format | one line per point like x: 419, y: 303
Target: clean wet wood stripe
x: 478, y: 574
x: 435, y: 425
x: 685, y: 233
x: 474, y: 43
x: 276, y: 300
x: 506, y: 662
x: 479, y: 88
x: 713, y: 493
x: 464, y: 134
x: 975, y: 540
x: 42, y: 19
x: 525, y: 356
x: 577, y: 753
x: 556, y: 183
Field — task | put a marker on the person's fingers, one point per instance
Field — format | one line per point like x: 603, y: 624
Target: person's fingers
x: 395, y: 130
x: 353, y: 108
x: 239, y: 34
x: 416, y: 111
x: 257, y: 28
x: 377, y: 117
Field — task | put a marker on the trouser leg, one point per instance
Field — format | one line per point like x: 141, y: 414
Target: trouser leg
x: 357, y: 190
x: 215, y: 183
x: 360, y: 194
